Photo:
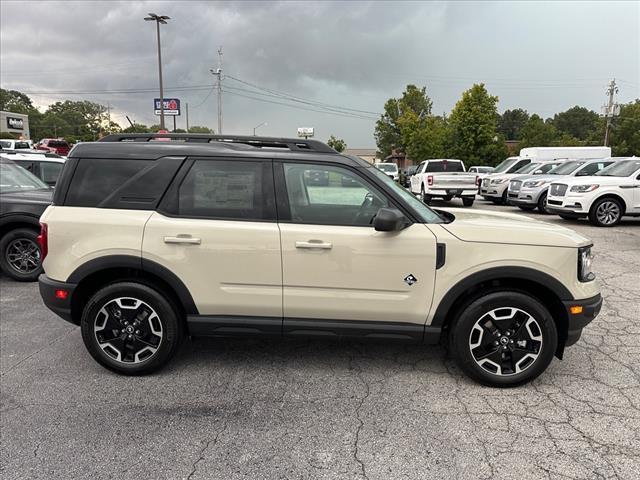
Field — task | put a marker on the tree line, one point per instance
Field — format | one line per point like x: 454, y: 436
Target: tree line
x: 476, y: 133
x: 73, y: 120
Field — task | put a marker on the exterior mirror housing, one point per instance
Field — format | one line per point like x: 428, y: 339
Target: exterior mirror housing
x: 389, y: 220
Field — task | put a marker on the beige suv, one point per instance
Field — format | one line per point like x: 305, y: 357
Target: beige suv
x: 148, y: 241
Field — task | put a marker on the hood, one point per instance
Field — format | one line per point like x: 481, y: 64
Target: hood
x: 599, y: 179
x: 36, y: 197
x: 488, y: 226
x: 546, y: 178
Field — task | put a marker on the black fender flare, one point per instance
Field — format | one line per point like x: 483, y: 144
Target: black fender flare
x: 138, y: 263
x: 498, y: 273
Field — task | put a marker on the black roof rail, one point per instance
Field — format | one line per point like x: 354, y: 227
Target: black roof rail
x: 293, y: 144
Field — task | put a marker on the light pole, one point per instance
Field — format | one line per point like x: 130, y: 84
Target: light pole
x: 159, y: 19
x: 257, y: 127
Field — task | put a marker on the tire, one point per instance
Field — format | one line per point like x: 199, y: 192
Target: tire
x: 606, y: 212
x: 137, y: 349
x: 20, y: 256
x: 467, y: 202
x: 503, y: 199
x: 527, y: 208
x: 447, y: 198
x: 521, y: 318
x: 542, y: 204
x: 425, y: 198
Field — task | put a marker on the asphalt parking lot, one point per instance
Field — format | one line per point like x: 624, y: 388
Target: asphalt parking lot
x: 259, y: 409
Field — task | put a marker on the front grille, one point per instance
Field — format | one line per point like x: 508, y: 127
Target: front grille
x: 515, y: 185
x: 558, y: 189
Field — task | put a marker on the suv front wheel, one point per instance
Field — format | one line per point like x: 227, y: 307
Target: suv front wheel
x: 504, y: 339
x: 130, y: 328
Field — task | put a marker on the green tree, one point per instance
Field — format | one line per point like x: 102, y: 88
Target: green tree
x: 473, y: 134
x: 424, y: 137
x: 16, y: 102
x: 536, y: 132
x: 578, y: 122
x: 336, y: 143
x: 511, y: 122
x: 625, y: 137
x: 387, y: 131
x: 200, y: 129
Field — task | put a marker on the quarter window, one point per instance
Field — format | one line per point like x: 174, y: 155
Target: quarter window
x: 329, y: 195
x: 224, y: 189
x: 50, y: 171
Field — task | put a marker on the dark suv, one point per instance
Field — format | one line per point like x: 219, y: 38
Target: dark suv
x: 23, y: 198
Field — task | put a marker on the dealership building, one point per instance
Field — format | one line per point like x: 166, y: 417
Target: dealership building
x: 15, y: 123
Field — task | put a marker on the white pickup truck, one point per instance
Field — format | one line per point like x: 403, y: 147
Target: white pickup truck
x: 444, y: 178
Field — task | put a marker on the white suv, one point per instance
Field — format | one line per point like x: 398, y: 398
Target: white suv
x: 148, y: 241
x: 604, y: 198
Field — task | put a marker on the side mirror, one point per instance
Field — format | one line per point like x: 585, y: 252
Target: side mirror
x: 389, y: 220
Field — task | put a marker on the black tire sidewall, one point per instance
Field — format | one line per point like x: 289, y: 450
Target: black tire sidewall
x: 542, y: 203
x: 467, y: 202
x: 9, y: 237
x: 478, y: 307
x: 169, y: 319
x: 593, y: 218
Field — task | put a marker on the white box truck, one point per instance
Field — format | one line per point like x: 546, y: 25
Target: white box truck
x: 554, y: 153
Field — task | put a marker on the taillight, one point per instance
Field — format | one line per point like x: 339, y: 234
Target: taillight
x: 43, y: 241
x: 429, y: 179
x: 477, y: 180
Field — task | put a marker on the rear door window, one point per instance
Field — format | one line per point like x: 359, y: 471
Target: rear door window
x: 50, y: 171
x: 227, y: 189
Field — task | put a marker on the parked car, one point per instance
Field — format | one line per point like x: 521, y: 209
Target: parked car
x: 23, y: 198
x: 408, y: 172
x: 497, y: 189
x: 446, y: 179
x: 54, y: 145
x: 45, y: 166
x: 481, y: 172
x: 604, y: 197
x: 147, y: 242
x: 390, y: 169
x: 8, y: 144
x: 530, y: 192
x: 507, y: 166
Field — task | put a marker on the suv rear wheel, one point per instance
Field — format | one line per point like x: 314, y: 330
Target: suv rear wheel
x: 130, y: 328
x: 20, y: 256
x: 504, y: 339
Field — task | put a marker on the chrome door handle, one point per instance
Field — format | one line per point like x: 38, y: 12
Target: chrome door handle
x: 183, y: 239
x: 314, y: 244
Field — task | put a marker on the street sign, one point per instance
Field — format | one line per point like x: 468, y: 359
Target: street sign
x: 171, y: 106
x: 305, y: 132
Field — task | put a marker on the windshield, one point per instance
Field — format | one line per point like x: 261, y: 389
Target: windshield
x: 620, y: 169
x: 528, y: 168
x: 16, y: 179
x: 566, y: 168
x: 388, y: 167
x: 504, y: 165
x: 485, y: 169
x: 426, y: 214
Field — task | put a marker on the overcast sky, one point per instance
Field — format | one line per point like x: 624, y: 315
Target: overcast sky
x: 351, y: 57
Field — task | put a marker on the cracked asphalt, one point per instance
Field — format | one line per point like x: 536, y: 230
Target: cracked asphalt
x: 258, y: 409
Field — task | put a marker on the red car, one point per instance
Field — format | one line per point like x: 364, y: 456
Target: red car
x: 54, y: 145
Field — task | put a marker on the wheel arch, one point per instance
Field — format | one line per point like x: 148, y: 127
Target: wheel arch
x: 95, y: 274
x: 614, y: 196
x: 12, y: 222
x: 545, y: 288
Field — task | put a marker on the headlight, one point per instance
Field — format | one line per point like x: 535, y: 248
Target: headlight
x: 583, y: 188
x: 536, y: 183
x: 497, y: 181
x: 584, y: 264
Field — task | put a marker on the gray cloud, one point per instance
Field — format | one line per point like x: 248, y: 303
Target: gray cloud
x: 544, y: 57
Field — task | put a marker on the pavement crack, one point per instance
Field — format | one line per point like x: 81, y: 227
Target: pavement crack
x: 356, y: 442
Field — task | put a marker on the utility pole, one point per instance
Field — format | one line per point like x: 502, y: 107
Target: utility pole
x: 610, y: 111
x: 218, y: 73
x: 108, y: 117
x: 187, y: 117
x: 159, y: 19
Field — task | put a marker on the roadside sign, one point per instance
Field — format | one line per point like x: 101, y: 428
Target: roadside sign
x: 305, y: 132
x: 171, y: 106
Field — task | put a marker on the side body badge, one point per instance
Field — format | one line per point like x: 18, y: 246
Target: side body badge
x: 410, y: 279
